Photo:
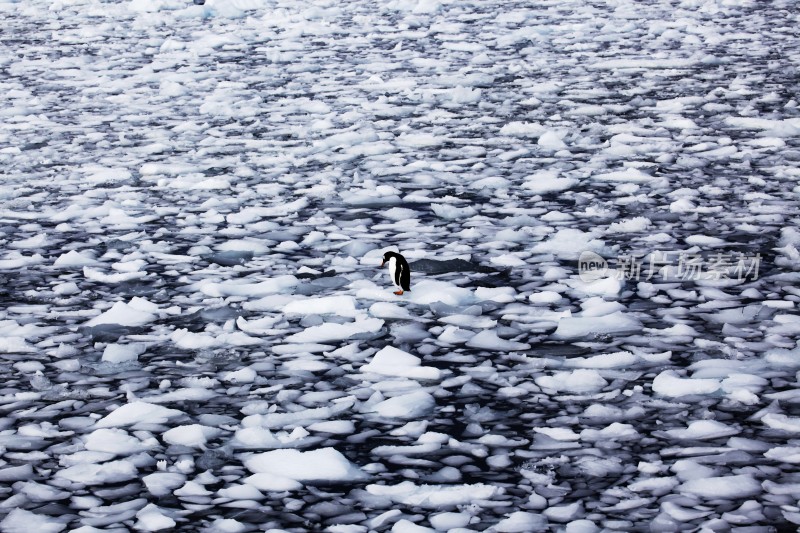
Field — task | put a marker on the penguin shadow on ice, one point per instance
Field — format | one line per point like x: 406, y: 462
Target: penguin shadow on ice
x: 399, y: 271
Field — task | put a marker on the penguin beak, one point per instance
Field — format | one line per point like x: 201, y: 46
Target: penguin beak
x: 383, y: 263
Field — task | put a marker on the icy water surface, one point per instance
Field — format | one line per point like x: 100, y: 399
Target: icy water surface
x: 195, y: 334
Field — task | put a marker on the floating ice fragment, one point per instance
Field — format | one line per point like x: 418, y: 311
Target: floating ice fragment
x: 579, y: 327
x: 725, y: 487
x: 785, y: 454
x: 435, y: 496
x: 606, y: 360
x: 152, y: 518
x: 629, y: 175
x: 22, y: 521
x: 578, y: 381
x: 270, y: 482
x: 548, y: 182
x: 668, y: 383
x: 193, y: 435
x: 132, y: 414
x: 487, y: 339
x: 123, y: 353
x: 326, y: 305
x: 702, y: 430
x: 124, y: 315
x: 336, y: 332
x: 243, y: 375
x: 73, y: 258
x: 322, y: 465
x: 568, y: 243
x: 99, y: 474
x: 781, y: 421
x: 115, y: 441
x: 406, y: 406
x: 390, y: 361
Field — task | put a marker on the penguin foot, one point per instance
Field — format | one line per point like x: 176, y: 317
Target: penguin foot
x: 399, y: 293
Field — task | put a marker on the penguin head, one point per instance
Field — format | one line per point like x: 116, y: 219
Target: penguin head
x: 387, y: 256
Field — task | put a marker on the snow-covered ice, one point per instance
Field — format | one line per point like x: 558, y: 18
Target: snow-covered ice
x: 196, y: 334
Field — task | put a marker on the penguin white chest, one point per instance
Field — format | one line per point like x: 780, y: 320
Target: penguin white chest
x: 393, y: 271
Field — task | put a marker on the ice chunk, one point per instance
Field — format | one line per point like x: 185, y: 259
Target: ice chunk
x: 260, y: 326
x: 124, y: 315
x: 579, y: 381
x: 115, y: 441
x: 390, y: 361
x: 579, y: 327
x: 189, y: 340
x: 193, y: 435
x: 99, y: 474
x: 326, y: 305
x: 702, y: 430
x: 725, y: 487
x: 387, y: 310
x: 135, y: 413
x: 21, y: 521
x: 451, y: 212
x: 496, y: 294
x: 74, y: 258
x: 435, y: 496
x: 448, y: 521
x: 152, y: 518
x: 336, y: 332
x: 568, y: 243
x: 298, y: 418
x: 413, y: 405
x: 163, y: 483
x: 269, y: 482
x: 544, y: 297
x: 488, y: 340
x: 241, y: 287
x: 668, y: 383
x: 605, y: 286
x: 632, y: 225
x: 322, y: 465
x: 781, y: 421
x: 606, y: 360
x: 629, y: 175
x: 548, y: 181
x: 123, y: 353
x: 243, y: 375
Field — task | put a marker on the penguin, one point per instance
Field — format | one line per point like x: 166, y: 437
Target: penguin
x: 399, y: 271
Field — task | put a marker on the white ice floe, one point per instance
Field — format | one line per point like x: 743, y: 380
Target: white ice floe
x: 123, y: 353
x: 729, y: 487
x: 336, y: 332
x: 668, y: 383
x: 406, y: 406
x: 137, y: 312
x: 322, y: 465
x: 547, y: 182
x: 23, y: 521
x: 488, y: 339
x: 568, y: 243
x: 435, y: 496
x: 326, y: 305
x: 138, y: 412
x: 580, y: 327
x: 702, y: 430
x: 578, y: 381
x: 116, y: 441
x: 194, y: 435
x: 390, y: 361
